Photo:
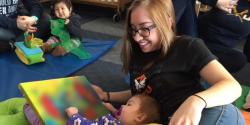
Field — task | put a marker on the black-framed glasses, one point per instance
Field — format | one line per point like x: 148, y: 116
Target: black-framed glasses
x: 143, y: 31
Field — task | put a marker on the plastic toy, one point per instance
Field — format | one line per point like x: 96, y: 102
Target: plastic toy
x: 70, y: 45
x: 31, y: 42
x: 29, y: 51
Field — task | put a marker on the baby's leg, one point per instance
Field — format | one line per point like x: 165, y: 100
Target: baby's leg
x: 49, y: 44
x: 31, y: 116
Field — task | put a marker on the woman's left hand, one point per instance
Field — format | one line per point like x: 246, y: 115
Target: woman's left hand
x: 189, y: 113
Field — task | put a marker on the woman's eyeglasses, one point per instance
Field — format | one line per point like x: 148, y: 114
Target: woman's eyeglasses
x: 143, y: 31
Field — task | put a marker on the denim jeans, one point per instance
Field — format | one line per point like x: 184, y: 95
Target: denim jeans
x: 222, y: 115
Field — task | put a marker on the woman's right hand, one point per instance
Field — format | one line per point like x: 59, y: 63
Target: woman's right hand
x: 20, y: 21
x: 24, y: 23
x: 189, y: 113
x: 102, y: 95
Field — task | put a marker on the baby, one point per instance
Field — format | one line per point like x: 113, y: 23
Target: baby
x: 65, y: 27
x: 140, y: 109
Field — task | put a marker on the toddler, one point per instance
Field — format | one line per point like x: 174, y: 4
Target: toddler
x: 66, y: 31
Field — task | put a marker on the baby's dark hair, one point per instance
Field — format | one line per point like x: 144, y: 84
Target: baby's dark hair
x: 66, y: 2
x: 150, y: 107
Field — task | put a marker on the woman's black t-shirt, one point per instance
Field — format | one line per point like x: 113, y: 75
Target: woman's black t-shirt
x: 173, y: 79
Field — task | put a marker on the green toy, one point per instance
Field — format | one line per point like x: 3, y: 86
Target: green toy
x: 72, y: 45
x: 242, y: 99
x: 31, y: 42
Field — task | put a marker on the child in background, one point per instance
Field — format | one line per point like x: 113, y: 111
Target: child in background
x: 140, y: 109
x: 62, y: 9
x: 224, y: 32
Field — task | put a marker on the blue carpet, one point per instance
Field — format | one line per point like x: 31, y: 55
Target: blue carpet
x: 13, y: 71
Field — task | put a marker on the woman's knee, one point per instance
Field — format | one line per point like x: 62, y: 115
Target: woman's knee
x: 231, y: 115
x: 222, y: 115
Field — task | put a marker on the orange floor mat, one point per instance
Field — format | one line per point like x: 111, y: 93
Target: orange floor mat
x: 246, y: 116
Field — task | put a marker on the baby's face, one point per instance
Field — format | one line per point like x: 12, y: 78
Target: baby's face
x: 62, y: 11
x: 130, y: 111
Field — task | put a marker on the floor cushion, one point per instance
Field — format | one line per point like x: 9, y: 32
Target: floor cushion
x: 11, y: 112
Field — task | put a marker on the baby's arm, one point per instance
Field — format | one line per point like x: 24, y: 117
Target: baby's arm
x: 111, y: 108
x: 74, y: 26
x: 75, y: 118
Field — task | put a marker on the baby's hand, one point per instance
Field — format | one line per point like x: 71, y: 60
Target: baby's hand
x: 71, y: 111
x: 66, y: 21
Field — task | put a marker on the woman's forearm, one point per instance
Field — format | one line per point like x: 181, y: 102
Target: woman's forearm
x: 224, y: 90
x: 221, y: 93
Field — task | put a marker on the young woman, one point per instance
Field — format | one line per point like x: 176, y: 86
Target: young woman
x: 169, y: 68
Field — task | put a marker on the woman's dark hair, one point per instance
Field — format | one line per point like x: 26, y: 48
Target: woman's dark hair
x: 54, y: 2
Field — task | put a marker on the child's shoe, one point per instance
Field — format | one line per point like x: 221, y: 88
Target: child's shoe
x: 59, y: 51
x: 46, y: 47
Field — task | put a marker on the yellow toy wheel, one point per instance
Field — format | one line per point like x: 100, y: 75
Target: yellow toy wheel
x: 21, y: 56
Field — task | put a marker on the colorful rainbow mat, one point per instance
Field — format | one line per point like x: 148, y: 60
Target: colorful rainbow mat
x: 13, y: 71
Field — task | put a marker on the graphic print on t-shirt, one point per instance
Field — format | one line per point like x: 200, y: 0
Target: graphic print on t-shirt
x: 8, y: 7
x: 140, y: 82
